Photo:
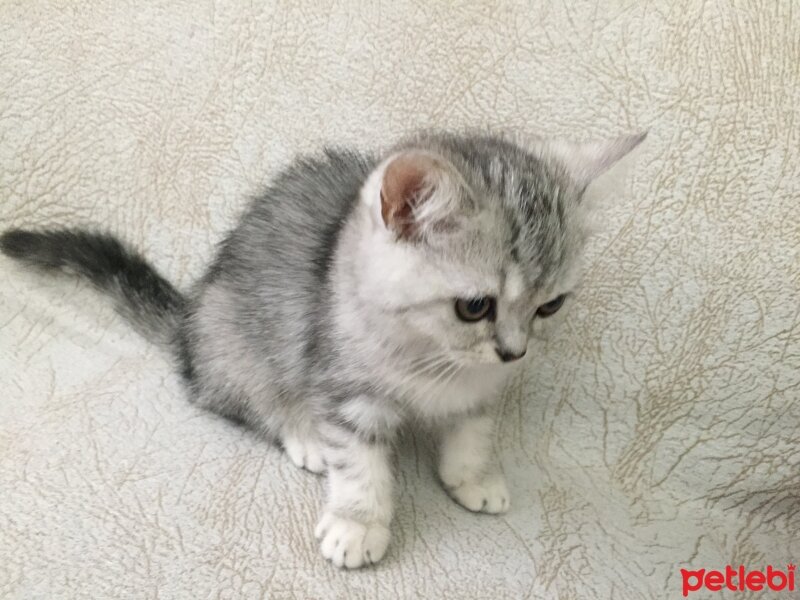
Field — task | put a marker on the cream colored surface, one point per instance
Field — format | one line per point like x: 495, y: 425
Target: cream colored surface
x: 660, y: 431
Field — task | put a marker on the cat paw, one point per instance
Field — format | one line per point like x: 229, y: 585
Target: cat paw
x: 305, y: 453
x: 489, y: 495
x: 351, y: 544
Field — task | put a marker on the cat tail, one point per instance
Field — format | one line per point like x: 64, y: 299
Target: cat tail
x: 140, y: 294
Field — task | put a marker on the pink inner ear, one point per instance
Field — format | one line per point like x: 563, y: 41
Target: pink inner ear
x: 406, y: 185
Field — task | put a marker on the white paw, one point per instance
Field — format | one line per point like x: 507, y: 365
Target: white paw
x: 489, y: 495
x: 351, y: 544
x: 306, y: 453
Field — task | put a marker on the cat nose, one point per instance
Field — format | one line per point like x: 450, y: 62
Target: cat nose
x: 508, y: 356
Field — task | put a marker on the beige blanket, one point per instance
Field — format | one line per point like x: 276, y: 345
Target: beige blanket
x: 660, y: 431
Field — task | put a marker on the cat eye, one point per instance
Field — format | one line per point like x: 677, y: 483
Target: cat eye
x: 474, y: 309
x: 551, y: 308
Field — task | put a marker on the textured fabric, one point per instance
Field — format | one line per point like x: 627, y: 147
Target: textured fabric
x: 658, y: 432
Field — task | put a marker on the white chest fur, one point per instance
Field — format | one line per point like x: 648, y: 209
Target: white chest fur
x: 466, y: 390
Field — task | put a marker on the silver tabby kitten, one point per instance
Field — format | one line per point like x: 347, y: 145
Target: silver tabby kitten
x: 362, y: 292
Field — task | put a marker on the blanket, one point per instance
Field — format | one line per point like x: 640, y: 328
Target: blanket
x: 658, y: 431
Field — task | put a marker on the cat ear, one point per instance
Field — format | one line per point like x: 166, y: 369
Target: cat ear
x: 416, y: 194
x: 586, y: 161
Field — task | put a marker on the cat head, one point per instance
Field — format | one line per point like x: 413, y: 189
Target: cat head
x: 473, y: 244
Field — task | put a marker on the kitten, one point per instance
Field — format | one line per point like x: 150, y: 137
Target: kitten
x: 362, y: 292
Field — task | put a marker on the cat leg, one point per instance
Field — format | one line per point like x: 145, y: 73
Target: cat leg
x: 302, y: 444
x: 354, y: 527
x: 467, y: 467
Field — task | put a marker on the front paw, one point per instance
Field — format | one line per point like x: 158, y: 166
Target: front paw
x: 487, y: 495
x: 351, y: 544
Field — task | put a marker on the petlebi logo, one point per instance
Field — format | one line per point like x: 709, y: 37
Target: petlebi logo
x: 739, y: 579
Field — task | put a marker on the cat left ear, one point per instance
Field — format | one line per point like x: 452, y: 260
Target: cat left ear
x: 415, y: 194
x: 586, y: 161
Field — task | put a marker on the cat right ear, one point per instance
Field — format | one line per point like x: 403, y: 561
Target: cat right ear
x: 417, y: 194
x: 586, y: 161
